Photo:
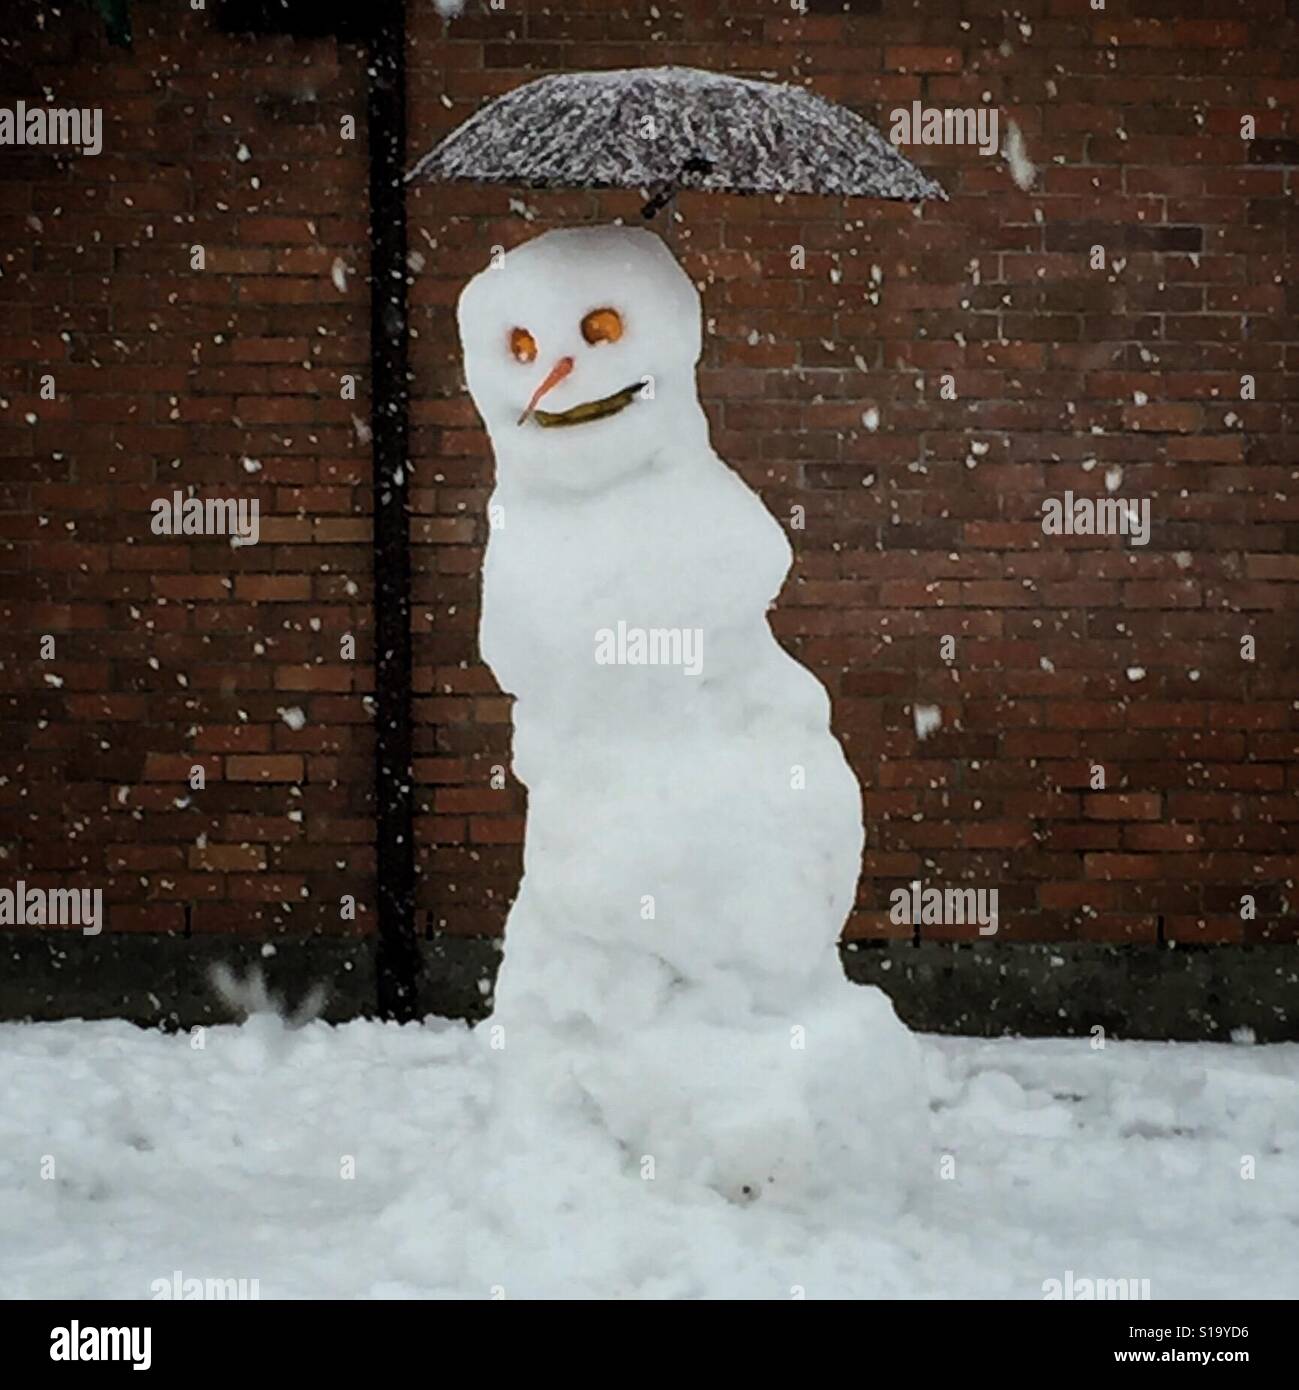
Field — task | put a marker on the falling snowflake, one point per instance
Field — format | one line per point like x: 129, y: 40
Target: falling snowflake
x: 1022, y: 169
x: 928, y: 718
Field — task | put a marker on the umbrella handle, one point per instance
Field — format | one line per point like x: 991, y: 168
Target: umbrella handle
x: 659, y: 201
x: 696, y: 164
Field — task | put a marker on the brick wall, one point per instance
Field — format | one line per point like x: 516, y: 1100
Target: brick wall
x: 1070, y: 652
x: 175, y: 651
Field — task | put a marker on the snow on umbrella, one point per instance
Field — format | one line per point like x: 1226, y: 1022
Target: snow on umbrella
x: 673, y: 127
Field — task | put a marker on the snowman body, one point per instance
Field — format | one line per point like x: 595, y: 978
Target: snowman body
x: 694, y: 832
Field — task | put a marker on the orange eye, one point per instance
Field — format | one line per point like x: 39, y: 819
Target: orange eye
x: 523, y: 345
x: 602, y: 326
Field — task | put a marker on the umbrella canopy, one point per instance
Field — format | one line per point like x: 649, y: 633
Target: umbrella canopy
x: 670, y: 128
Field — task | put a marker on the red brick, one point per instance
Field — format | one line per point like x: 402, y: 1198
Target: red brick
x: 914, y: 58
x: 176, y: 767
x: 226, y: 857
x: 273, y: 588
x: 1121, y: 866
x: 280, y: 767
x: 1123, y: 806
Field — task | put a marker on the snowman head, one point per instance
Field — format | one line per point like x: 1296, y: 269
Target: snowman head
x: 580, y: 350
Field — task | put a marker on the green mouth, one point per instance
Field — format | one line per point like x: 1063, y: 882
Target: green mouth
x: 589, y: 410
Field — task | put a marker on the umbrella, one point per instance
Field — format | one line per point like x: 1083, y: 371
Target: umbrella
x: 672, y: 127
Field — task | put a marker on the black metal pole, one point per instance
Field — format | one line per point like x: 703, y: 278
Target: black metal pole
x: 397, y: 956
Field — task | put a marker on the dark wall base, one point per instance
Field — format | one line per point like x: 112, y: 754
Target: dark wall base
x: 166, y: 979
x: 1186, y: 993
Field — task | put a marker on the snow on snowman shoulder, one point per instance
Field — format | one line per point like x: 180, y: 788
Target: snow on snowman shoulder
x: 671, y: 970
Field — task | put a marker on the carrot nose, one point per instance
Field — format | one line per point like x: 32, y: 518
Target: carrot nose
x: 557, y: 373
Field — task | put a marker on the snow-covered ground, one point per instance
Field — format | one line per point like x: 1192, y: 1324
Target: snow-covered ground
x: 229, y: 1161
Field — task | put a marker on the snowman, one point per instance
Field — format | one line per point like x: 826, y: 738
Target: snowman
x: 694, y: 832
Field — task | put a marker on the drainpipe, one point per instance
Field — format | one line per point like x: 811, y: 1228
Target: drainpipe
x: 397, y: 960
